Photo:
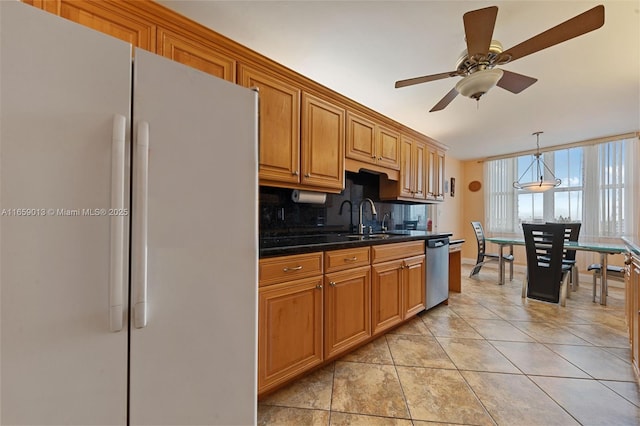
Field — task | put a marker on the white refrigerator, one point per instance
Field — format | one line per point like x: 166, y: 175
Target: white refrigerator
x: 128, y: 235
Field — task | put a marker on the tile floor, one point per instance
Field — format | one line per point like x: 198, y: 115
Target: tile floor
x: 488, y: 358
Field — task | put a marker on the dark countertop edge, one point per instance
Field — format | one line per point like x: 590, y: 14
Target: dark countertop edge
x: 633, y: 244
x: 454, y: 242
x: 310, y: 248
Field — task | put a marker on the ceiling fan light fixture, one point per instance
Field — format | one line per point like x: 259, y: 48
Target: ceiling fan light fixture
x: 480, y: 82
x: 542, y: 184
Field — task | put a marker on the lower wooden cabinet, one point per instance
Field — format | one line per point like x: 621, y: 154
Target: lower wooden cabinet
x: 314, y: 307
x: 398, y: 285
x: 289, y: 330
x: 386, y: 298
x: 347, y: 309
x: 414, y: 286
x: 632, y: 287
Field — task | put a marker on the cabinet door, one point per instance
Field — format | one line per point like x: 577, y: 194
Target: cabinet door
x: 435, y: 175
x: 361, y: 138
x: 107, y: 17
x: 386, y: 297
x: 388, y: 148
x: 439, y: 175
x: 431, y: 174
x: 289, y: 330
x: 419, y: 170
x: 406, y: 168
x: 323, y: 127
x: 279, y: 125
x: 414, y: 287
x: 634, y: 321
x: 187, y: 50
x: 347, y: 302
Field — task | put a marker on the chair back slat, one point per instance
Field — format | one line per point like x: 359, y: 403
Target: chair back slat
x: 477, y: 227
x: 571, y: 233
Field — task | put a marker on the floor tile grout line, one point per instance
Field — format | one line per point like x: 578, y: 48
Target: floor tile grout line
x: 395, y: 368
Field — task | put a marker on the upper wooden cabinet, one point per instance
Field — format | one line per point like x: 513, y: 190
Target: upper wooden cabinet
x: 188, y: 50
x: 435, y: 175
x: 115, y: 18
x: 372, y: 143
x: 323, y: 128
x: 307, y: 139
x: 413, y: 173
x: 279, y: 126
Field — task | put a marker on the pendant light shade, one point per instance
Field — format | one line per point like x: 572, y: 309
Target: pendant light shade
x: 542, y: 184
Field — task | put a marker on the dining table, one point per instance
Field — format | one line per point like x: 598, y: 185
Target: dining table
x: 604, y: 249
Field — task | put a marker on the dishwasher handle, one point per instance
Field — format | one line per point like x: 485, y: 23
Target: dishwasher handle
x: 437, y: 242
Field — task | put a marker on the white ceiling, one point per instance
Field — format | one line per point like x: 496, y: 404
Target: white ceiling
x: 588, y: 87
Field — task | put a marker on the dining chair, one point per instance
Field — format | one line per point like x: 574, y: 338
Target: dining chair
x: 571, y: 233
x: 483, y: 256
x: 546, y: 278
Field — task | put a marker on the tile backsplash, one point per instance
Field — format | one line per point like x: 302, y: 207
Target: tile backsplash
x: 280, y: 215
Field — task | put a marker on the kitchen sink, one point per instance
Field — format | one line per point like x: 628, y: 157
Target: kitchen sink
x: 369, y: 236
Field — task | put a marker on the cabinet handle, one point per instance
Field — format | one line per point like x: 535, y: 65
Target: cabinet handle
x: 373, y: 156
x: 307, y: 175
x: 139, y: 250
x: 627, y: 260
x: 296, y: 173
x: 116, y: 274
x: 332, y: 284
x: 319, y: 286
x: 296, y: 268
x: 379, y: 158
x: 351, y: 259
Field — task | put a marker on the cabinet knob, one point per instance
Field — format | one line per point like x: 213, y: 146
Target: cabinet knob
x: 296, y: 173
x: 373, y: 156
x: 379, y: 158
x: 332, y: 284
x: 307, y: 175
x: 627, y: 259
x: 319, y: 286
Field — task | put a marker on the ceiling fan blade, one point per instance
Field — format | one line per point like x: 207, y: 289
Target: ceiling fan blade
x: 445, y: 101
x: 585, y: 22
x: 424, y: 79
x: 478, y: 28
x: 514, y: 82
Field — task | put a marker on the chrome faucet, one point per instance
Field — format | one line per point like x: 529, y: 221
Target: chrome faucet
x: 373, y: 213
x: 382, y: 225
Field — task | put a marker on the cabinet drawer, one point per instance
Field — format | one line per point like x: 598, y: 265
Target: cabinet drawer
x: 384, y: 252
x: 285, y: 268
x: 338, y: 260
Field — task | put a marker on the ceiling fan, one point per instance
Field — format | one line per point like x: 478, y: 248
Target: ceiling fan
x: 477, y: 64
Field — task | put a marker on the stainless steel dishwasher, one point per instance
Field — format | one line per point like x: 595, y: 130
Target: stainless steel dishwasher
x: 437, y: 279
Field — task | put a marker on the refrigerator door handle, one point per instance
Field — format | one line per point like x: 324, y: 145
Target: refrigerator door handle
x: 116, y: 272
x: 139, y: 250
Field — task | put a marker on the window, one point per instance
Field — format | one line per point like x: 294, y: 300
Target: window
x: 597, y: 189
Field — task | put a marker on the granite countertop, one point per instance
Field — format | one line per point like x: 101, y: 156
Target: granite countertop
x: 633, y: 244
x: 297, y: 244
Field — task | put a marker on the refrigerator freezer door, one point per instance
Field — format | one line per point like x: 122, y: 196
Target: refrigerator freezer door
x: 61, y: 86
x: 195, y: 361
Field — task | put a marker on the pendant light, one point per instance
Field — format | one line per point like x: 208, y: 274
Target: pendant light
x: 540, y: 185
